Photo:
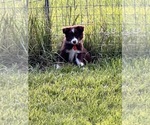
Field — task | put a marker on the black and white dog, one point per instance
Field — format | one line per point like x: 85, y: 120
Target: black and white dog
x: 72, y: 49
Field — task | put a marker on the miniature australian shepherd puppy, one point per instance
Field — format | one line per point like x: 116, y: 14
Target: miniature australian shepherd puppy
x: 72, y: 49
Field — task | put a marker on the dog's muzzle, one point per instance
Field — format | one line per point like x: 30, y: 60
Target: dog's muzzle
x: 74, y: 41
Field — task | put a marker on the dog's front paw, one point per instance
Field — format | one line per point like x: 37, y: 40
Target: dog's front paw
x: 81, y: 64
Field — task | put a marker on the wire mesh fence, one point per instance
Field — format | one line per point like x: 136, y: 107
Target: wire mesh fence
x: 92, y: 14
x: 107, y: 23
x: 95, y: 13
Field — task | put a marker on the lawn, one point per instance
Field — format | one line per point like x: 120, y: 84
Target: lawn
x: 136, y: 91
x: 77, y: 96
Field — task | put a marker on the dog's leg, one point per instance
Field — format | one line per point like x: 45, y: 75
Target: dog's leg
x: 79, y: 63
x: 64, y: 56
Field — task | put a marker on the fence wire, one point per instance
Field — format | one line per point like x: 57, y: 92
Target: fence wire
x: 86, y: 12
x: 115, y: 16
x: 106, y: 23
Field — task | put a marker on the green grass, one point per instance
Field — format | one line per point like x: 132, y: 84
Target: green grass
x: 76, y: 96
x: 136, y: 91
x: 13, y: 97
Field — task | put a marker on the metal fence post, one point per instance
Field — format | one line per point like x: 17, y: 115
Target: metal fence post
x: 47, y: 39
x: 47, y: 10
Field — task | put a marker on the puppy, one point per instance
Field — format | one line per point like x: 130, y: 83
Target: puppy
x: 72, y: 49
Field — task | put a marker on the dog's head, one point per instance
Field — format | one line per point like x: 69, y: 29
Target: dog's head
x: 73, y: 34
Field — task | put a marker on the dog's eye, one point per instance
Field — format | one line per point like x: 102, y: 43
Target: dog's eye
x: 77, y: 34
x: 69, y: 34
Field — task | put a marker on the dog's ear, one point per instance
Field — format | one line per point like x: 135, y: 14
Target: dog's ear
x: 65, y: 30
x: 80, y: 28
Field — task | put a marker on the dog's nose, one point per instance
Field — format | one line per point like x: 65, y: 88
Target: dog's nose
x: 74, y: 42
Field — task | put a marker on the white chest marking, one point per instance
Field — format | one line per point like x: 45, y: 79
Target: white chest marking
x: 72, y: 54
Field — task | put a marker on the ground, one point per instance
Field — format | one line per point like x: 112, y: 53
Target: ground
x: 77, y: 96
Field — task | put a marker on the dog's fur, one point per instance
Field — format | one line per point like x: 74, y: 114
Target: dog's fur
x: 72, y: 49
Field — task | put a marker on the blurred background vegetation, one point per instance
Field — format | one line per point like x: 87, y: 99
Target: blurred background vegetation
x: 32, y: 29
